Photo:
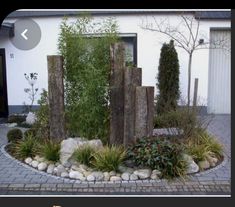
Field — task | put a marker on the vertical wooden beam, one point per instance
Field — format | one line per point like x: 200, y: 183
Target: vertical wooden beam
x: 132, y: 78
x: 56, y: 97
x: 195, y: 92
x: 117, y: 93
x: 144, y: 105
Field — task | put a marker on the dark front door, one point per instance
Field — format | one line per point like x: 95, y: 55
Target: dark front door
x: 3, y: 85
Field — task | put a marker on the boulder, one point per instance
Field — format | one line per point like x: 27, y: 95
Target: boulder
x: 143, y: 173
x: 77, y: 175
x: 123, y: 169
x: 68, y: 146
x: 192, y: 166
x: 34, y: 163
x: 28, y: 160
x: 204, y: 164
x: 125, y: 176
x: 50, y: 168
x: 42, y: 166
x: 31, y: 118
x: 133, y: 177
x: 115, y: 178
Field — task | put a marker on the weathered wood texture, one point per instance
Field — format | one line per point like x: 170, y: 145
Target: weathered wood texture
x: 132, y: 78
x: 56, y: 97
x: 144, y: 111
x: 117, y: 93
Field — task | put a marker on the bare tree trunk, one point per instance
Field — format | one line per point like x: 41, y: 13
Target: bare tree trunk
x: 189, y: 77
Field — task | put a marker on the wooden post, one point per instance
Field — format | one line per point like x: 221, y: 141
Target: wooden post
x: 195, y: 92
x: 117, y: 93
x: 144, y: 106
x: 132, y: 78
x: 56, y: 97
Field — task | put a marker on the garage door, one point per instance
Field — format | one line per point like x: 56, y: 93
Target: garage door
x: 219, y: 83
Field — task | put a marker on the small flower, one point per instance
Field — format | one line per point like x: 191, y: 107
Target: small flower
x: 26, y: 90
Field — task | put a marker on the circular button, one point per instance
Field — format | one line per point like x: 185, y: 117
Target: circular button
x: 27, y: 34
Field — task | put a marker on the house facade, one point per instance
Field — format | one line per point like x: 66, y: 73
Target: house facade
x: 212, y: 67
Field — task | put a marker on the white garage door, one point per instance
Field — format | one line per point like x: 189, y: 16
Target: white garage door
x: 219, y: 83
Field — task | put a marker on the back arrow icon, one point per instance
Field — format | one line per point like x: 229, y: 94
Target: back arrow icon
x: 23, y: 34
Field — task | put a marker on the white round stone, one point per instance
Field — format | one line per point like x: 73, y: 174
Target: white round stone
x: 125, y: 176
x: 106, y: 176
x: 98, y: 175
x: 50, y: 168
x: 112, y: 173
x: 34, y: 163
x: 42, y: 166
x: 28, y: 160
x: 143, y: 173
x: 115, y: 178
x: 133, y: 177
x: 77, y: 175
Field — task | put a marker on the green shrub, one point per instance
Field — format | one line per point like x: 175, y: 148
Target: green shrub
x: 84, y: 155
x: 86, y: 75
x: 30, y: 132
x: 202, y: 144
x: 109, y: 158
x: 51, y: 151
x: 41, y: 126
x: 27, y: 147
x: 14, y: 135
x: 168, y: 79
x: 160, y: 154
x: 16, y: 119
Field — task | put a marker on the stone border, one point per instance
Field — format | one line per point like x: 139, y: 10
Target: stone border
x: 78, y: 181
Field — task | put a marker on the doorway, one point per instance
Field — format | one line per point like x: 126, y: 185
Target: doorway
x: 3, y: 85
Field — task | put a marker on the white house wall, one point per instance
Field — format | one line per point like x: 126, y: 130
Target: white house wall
x: 148, y: 53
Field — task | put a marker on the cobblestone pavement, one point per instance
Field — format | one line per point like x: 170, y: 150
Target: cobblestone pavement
x: 19, y: 179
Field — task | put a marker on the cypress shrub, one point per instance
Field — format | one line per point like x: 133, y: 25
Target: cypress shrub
x: 168, y: 79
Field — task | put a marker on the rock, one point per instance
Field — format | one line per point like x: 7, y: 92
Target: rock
x: 125, y: 176
x: 95, y: 143
x: 90, y: 178
x: 192, y: 166
x: 28, y: 160
x: 154, y: 176
x: 64, y: 175
x: 68, y: 146
x: 156, y: 172
x: 31, y: 118
x: 59, y: 169
x: 106, y: 176
x: 98, y: 175
x: 112, y: 173
x: 42, y: 166
x: 67, y: 164
x: 39, y: 159
x: 77, y: 175
x: 212, y: 160
x: 82, y: 166
x: 50, y: 168
x: 204, y: 164
x: 86, y: 173
x: 143, y: 173
x: 115, y: 178
x: 133, y: 177
x: 34, y: 163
